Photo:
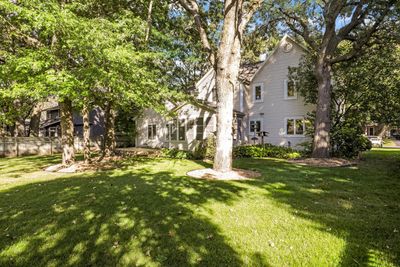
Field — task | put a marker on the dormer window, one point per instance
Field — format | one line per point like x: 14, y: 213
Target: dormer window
x: 289, y: 89
x: 258, y: 92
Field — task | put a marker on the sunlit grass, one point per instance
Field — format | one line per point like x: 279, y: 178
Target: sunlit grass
x: 148, y: 213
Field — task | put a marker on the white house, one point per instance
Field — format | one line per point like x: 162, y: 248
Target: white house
x: 264, y: 102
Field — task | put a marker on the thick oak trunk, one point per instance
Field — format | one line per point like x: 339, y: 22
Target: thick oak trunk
x: 227, y: 69
x: 86, y: 133
x: 109, y: 136
x: 67, y: 132
x: 321, y: 142
x: 34, y: 124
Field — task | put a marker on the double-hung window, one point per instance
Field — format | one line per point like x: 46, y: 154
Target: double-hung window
x: 255, y: 126
x: 176, y: 130
x: 289, y: 89
x: 295, y: 126
x: 258, y: 92
x: 199, y: 128
x: 151, y: 131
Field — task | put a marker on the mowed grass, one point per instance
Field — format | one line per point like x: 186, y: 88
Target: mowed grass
x: 148, y: 213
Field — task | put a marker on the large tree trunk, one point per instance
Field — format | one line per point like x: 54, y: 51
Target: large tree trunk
x: 227, y: 69
x: 34, y: 125
x: 86, y: 132
x: 67, y: 132
x: 19, y: 129
x: 109, y: 136
x: 321, y: 142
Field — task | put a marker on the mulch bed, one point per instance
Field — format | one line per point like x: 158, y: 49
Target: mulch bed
x: 95, y: 165
x: 235, y: 174
x: 331, y: 162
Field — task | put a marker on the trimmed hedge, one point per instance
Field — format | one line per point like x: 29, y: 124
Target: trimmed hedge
x: 267, y: 150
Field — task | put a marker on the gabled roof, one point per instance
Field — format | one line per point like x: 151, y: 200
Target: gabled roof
x: 248, y: 71
x: 286, y: 37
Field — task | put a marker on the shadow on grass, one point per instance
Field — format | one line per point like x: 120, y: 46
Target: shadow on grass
x: 16, y: 167
x: 360, y: 205
x: 110, y: 218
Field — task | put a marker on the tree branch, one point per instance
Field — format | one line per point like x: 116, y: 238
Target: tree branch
x: 290, y: 19
x: 361, y: 42
x: 356, y: 19
x: 193, y: 9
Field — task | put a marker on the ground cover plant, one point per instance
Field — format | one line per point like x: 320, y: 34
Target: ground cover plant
x: 149, y: 213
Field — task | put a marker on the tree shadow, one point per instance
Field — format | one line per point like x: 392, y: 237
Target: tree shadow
x: 132, y: 218
x: 359, y: 205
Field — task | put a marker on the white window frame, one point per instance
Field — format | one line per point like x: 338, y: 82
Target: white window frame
x: 373, y: 131
x: 178, y: 124
x: 153, y: 133
x: 196, y: 128
x: 285, y: 91
x: 255, y: 120
x: 254, y: 93
x: 295, y: 118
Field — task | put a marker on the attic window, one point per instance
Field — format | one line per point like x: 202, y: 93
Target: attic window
x: 258, y: 92
x: 289, y: 89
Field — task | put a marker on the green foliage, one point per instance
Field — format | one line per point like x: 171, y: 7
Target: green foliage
x: 205, y: 149
x: 342, y: 214
x: 267, y: 150
x: 347, y: 141
x: 366, y: 89
x: 84, y: 51
x: 174, y: 153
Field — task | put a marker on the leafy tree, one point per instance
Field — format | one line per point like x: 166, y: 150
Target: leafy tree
x: 221, y: 26
x: 365, y: 89
x: 325, y: 26
x: 75, y: 57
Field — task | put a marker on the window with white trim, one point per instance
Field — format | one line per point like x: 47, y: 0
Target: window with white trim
x: 255, y: 126
x: 200, y: 128
x: 295, y: 126
x: 290, y: 91
x: 181, y: 130
x: 258, y: 92
x: 151, y: 131
x: 176, y: 130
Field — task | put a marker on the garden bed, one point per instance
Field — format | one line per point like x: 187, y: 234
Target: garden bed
x: 331, y: 162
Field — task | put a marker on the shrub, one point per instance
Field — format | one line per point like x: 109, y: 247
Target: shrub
x: 206, y: 148
x: 348, y: 142
x: 267, y: 150
x: 175, y: 153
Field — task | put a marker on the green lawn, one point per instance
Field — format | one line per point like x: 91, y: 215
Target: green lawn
x: 148, y: 213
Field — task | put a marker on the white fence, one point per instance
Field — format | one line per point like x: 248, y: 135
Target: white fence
x: 19, y: 146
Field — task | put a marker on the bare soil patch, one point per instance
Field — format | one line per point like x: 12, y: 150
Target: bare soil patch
x: 331, y: 162
x: 235, y: 174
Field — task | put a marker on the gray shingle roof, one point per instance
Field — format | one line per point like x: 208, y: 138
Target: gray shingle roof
x: 247, y: 71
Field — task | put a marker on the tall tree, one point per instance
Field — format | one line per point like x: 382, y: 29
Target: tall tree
x: 366, y: 89
x: 324, y: 26
x: 224, y: 55
x: 69, y: 53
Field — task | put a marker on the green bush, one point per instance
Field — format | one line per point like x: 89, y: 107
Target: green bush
x: 348, y: 142
x: 267, y: 150
x: 206, y: 148
x: 175, y: 153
